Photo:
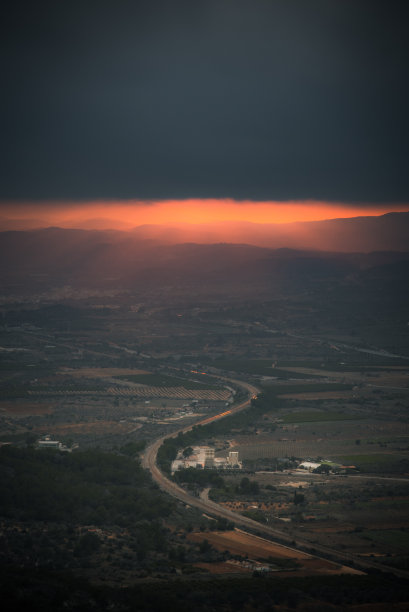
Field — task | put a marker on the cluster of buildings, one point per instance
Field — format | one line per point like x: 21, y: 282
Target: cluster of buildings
x: 204, y: 457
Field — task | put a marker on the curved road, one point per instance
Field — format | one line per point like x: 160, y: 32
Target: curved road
x: 210, y: 507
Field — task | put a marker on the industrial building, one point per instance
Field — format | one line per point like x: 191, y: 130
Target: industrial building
x: 204, y: 457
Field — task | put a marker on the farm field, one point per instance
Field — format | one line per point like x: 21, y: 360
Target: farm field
x: 21, y: 408
x: 259, y: 367
x: 256, y: 548
x: 161, y: 380
x: 365, y: 515
x: 133, y: 390
x: 303, y: 416
x: 370, y: 423
x: 342, y: 451
x: 318, y: 395
x: 103, y: 372
x: 398, y: 376
x: 93, y: 427
x: 171, y: 392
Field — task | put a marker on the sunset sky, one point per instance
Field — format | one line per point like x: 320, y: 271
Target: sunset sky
x: 132, y: 112
x: 126, y: 215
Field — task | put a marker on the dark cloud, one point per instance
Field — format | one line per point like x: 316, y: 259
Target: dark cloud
x: 259, y: 99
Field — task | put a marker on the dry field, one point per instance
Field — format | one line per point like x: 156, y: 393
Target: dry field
x: 319, y: 395
x: 238, y: 542
x: 142, y: 391
x: 102, y: 372
x: 25, y: 408
x: 393, y: 377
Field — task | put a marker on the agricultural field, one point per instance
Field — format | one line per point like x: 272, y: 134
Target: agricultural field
x: 364, y: 515
x: 275, y: 557
x: 260, y: 367
x: 162, y: 380
x: 314, y: 416
x: 397, y: 376
x: 338, y: 436
x: 133, y: 390
x: 103, y: 372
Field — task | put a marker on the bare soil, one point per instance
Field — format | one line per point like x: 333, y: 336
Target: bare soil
x: 103, y: 372
x: 240, y: 543
x: 316, y: 395
x: 29, y: 408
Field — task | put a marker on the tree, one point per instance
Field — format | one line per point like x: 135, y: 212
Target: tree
x: 205, y: 546
x: 87, y: 544
x: 299, y: 498
x: 324, y: 468
x: 246, y: 486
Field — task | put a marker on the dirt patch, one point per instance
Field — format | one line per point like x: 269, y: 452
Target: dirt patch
x: 316, y: 395
x: 103, y: 372
x: 22, y: 409
x: 240, y: 543
x: 318, y: 567
x: 325, y: 373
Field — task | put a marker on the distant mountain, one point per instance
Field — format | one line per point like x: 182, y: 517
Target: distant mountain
x: 357, y: 234
x: 39, y: 259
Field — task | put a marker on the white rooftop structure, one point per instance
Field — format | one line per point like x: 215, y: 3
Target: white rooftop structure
x: 309, y: 465
x: 204, y: 457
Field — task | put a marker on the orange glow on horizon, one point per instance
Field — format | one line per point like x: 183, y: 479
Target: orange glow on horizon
x: 128, y: 214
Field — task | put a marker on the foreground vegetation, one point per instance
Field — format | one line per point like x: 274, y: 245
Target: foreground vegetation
x: 42, y: 590
x: 93, y: 512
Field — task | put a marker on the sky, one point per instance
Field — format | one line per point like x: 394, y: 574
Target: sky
x: 263, y: 110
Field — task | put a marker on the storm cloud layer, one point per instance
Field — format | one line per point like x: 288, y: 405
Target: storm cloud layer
x: 257, y: 99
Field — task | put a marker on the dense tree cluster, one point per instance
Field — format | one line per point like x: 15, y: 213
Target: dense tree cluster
x: 89, y: 487
x: 203, y: 478
x: 43, y: 590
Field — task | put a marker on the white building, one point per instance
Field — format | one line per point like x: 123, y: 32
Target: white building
x: 46, y: 442
x: 204, y: 457
x: 233, y: 459
x: 49, y: 444
x: 309, y: 465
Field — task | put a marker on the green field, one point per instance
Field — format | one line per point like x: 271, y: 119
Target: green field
x: 306, y: 388
x: 368, y: 363
x: 259, y: 367
x: 377, y: 462
x: 314, y: 416
x: 390, y: 538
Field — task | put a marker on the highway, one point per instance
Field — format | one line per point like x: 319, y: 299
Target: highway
x: 209, y: 507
